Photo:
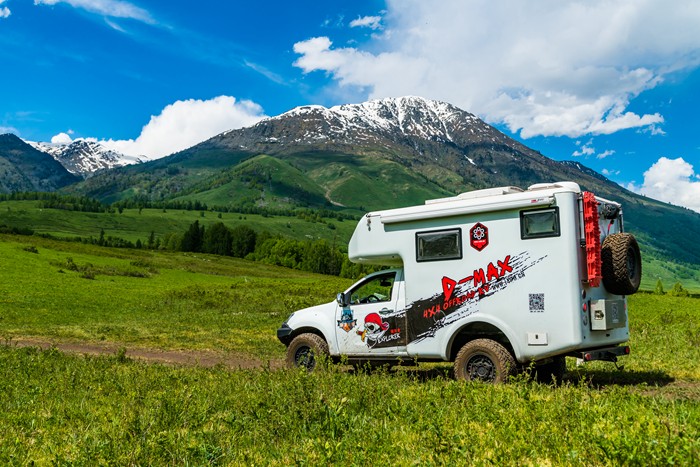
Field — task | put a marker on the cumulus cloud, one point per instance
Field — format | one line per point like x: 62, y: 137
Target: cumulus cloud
x: 185, y: 123
x: 372, y: 22
x: 673, y: 181
x: 62, y: 138
x: 109, y: 8
x: 551, y: 68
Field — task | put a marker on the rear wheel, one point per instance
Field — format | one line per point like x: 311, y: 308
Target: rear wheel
x: 622, y: 264
x: 307, y: 351
x: 484, y: 360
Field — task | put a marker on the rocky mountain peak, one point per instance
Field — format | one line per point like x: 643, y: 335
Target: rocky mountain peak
x: 85, y: 157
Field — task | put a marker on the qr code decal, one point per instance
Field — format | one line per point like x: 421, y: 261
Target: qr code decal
x: 536, y: 303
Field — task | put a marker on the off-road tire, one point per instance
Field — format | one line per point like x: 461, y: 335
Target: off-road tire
x: 308, y: 351
x: 622, y: 264
x: 484, y: 360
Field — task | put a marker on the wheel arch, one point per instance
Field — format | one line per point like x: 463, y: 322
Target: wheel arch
x: 305, y: 330
x: 481, y: 329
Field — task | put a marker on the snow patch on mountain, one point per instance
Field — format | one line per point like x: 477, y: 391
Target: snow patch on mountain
x: 411, y: 116
x: 85, y: 157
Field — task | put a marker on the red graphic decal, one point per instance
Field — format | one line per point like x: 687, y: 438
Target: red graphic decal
x: 374, y: 328
x: 480, y: 280
x: 448, y: 286
x: 479, y: 236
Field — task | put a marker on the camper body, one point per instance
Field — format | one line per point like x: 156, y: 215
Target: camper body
x: 491, y: 279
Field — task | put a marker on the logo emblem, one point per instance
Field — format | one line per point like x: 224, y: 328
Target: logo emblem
x: 479, y: 236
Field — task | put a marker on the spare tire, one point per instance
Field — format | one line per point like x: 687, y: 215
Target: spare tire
x: 622, y: 264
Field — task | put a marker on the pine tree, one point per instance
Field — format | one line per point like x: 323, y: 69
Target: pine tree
x: 659, y: 290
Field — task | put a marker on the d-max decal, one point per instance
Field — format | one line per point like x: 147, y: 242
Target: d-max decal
x: 460, y: 297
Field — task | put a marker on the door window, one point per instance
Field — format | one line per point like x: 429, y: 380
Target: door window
x: 378, y: 289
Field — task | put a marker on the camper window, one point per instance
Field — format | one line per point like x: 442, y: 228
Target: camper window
x: 439, y: 245
x: 539, y: 223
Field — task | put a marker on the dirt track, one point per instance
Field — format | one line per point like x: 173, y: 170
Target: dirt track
x: 174, y: 357
x: 669, y: 388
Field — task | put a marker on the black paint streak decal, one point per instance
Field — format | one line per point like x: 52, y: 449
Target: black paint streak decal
x: 460, y: 297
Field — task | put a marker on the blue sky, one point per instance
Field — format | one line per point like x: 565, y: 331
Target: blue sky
x: 613, y: 85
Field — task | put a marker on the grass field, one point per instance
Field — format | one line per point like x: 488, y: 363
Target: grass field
x: 67, y: 409
x: 133, y: 224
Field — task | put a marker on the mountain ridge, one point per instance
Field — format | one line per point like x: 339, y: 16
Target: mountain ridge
x: 374, y: 155
x: 24, y: 168
x: 84, y: 157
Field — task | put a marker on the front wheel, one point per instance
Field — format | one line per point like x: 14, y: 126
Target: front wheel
x: 306, y: 351
x: 484, y: 360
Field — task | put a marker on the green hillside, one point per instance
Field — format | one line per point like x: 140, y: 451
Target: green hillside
x: 135, y: 224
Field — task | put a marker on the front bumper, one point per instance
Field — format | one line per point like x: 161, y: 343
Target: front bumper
x: 284, y: 334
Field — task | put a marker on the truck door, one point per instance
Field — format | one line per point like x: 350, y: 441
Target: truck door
x: 373, y: 320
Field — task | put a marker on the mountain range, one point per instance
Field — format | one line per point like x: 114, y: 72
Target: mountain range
x: 375, y: 155
x: 24, y: 168
x: 84, y: 157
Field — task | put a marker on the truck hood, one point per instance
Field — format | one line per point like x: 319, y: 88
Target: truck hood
x: 314, y: 310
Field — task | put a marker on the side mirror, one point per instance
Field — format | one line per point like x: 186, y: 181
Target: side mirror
x: 341, y: 299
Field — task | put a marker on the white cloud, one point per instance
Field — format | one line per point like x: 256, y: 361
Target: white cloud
x: 185, y: 123
x: 673, y: 181
x: 608, y: 173
x: 4, y: 11
x: 372, y: 22
x: 110, y: 8
x: 8, y: 129
x: 586, y: 150
x: 62, y: 138
x: 548, y: 68
x: 606, y: 153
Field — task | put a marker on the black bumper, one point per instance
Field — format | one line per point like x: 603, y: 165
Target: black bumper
x: 606, y: 354
x: 284, y: 334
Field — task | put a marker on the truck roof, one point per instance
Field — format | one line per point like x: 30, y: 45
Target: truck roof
x: 490, y: 199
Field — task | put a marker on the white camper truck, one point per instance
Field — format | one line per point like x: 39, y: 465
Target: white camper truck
x: 491, y: 280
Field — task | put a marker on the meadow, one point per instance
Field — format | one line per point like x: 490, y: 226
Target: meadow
x: 69, y: 409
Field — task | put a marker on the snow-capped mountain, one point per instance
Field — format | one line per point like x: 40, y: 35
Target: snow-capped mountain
x: 413, y: 121
x: 84, y: 157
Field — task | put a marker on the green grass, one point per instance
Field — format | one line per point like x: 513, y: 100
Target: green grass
x: 63, y: 409
x: 132, y: 225
x: 141, y: 298
x: 59, y: 409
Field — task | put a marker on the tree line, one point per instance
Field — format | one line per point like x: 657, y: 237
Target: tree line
x: 317, y: 256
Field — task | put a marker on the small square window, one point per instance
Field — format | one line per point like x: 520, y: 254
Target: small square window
x: 439, y: 245
x: 540, y: 223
